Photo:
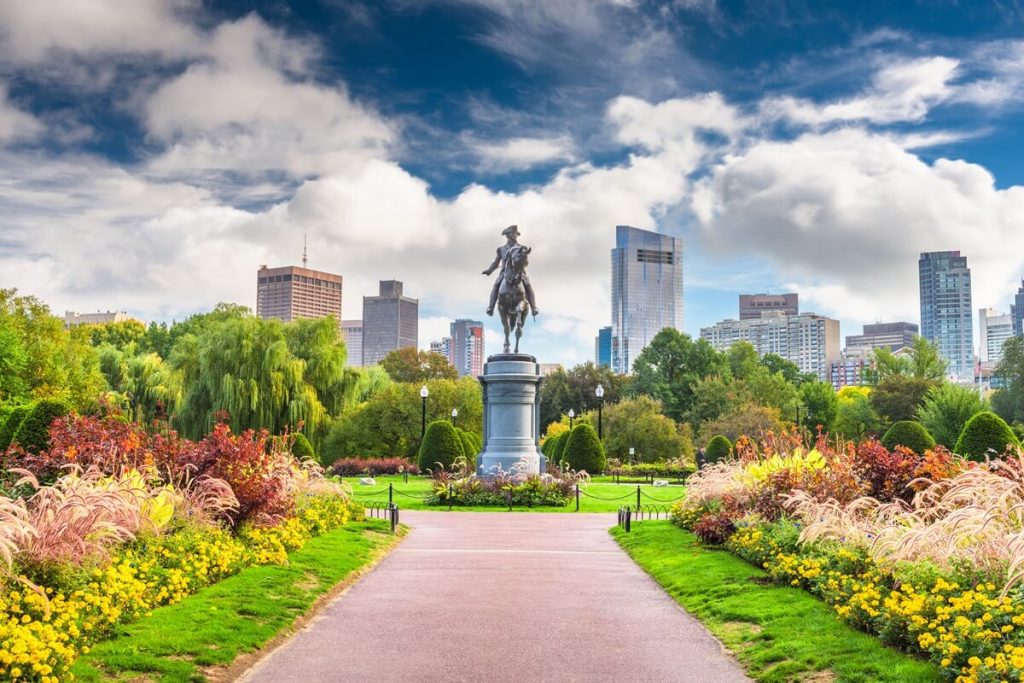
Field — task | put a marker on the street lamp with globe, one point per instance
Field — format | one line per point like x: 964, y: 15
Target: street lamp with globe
x: 455, y: 415
x: 599, y: 392
x: 424, y: 392
x: 572, y: 416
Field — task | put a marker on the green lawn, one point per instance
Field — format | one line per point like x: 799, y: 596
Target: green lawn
x: 778, y: 633
x: 598, y: 496
x: 237, y: 615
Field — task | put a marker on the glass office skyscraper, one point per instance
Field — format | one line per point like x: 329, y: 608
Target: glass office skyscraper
x: 946, y: 313
x: 647, y: 291
x: 1017, y: 311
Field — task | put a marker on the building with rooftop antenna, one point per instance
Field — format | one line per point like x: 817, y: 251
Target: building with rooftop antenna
x: 290, y: 292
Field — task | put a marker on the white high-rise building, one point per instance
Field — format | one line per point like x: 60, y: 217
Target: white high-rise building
x: 808, y: 339
x: 647, y: 291
x: 945, y: 282
x: 352, y: 331
x: 994, y: 329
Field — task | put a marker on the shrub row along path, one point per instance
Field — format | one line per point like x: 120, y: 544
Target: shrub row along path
x: 503, y: 597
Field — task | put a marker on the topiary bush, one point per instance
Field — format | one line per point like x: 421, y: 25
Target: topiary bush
x: 909, y: 434
x: 558, y: 447
x: 469, y: 448
x: 983, y: 433
x: 718, y: 449
x: 583, y: 450
x: 302, y: 448
x: 33, y: 434
x: 441, y: 444
x: 11, y: 424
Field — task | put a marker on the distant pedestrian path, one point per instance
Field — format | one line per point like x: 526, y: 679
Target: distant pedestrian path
x: 503, y: 597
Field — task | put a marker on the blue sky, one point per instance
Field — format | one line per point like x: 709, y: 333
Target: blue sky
x: 154, y: 154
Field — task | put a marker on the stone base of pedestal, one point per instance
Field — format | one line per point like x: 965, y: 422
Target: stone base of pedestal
x: 511, y: 391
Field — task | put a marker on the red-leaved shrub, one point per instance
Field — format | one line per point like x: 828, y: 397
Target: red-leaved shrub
x: 886, y: 474
x: 350, y: 467
x: 714, y: 528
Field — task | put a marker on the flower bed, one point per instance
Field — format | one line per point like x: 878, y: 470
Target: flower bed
x: 931, y: 561
x: 100, y: 547
x: 458, y: 486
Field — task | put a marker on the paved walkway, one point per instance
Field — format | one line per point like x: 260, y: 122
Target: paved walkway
x: 502, y: 597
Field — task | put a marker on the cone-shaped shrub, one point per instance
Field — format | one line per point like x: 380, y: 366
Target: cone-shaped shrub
x: 984, y: 433
x: 468, y: 444
x: 908, y: 434
x: 33, y: 434
x: 558, y: 447
x: 440, y: 445
x: 302, y: 449
x: 718, y: 449
x: 583, y: 450
x: 11, y: 424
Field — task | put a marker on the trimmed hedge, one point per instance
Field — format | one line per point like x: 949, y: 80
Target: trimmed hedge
x: 351, y: 467
x: 468, y: 444
x: 302, y: 448
x: 441, y: 444
x: 557, y: 453
x: 11, y: 424
x: 718, y: 449
x: 33, y: 434
x: 583, y: 450
x: 909, y: 434
x: 983, y: 433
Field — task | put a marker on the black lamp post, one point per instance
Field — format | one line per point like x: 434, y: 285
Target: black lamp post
x: 572, y: 416
x: 424, y: 392
x: 455, y: 415
x: 600, y: 409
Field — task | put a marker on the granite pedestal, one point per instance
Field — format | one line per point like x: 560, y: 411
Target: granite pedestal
x: 511, y: 391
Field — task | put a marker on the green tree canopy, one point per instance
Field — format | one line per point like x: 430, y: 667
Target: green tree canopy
x: 669, y: 367
x: 1008, y: 401
x: 742, y: 359
x: 245, y: 366
x: 750, y: 420
x: 921, y: 362
x: 639, y: 422
x: 855, y: 416
x: 821, y: 405
x: 946, y: 409
x: 574, y: 389
x: 40, y: 359
x: 388, y: 423
x: 897, y: 397
x: 412, y: 365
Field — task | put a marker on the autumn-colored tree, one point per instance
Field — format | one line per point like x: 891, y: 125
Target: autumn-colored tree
x: 412, y: 365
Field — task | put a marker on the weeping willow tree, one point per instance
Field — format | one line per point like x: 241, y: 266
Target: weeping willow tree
x: 143, y: 385
x: 263, y: 374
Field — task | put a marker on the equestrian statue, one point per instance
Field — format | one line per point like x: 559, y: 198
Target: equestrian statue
x: 512, y: 291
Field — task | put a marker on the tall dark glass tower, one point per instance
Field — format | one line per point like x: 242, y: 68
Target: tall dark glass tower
x: 1017, y: 311
x: 647, y: 291
x: 946, y: 314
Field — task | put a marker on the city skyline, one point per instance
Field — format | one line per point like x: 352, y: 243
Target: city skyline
x: 154, y: 158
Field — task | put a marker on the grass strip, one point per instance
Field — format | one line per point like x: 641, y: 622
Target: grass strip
x: 779, y: 633
x: 609, y: 496
x: 195, y: 639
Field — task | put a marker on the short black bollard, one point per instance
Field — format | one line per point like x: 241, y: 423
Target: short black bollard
x: 393, y: 515
x: 628, y: 520
x: 391, y: 492
x: 508, y: 493
x: 638, y: 497
x: 405, y: 476
x: 577, y: 497
x: 449, y: 496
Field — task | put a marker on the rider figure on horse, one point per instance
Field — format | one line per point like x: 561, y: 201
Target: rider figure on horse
x: 512, y: 233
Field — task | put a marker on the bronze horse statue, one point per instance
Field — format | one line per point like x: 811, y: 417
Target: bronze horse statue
x: 512, y: 303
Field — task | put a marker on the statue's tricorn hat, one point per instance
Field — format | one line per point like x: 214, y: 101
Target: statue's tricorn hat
x: 510, y: 230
